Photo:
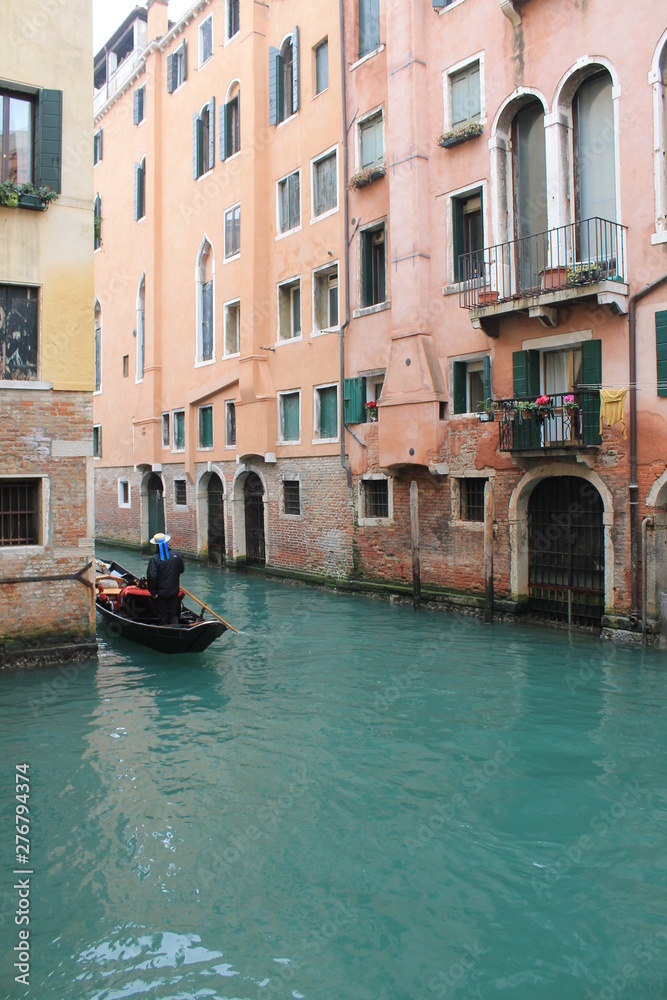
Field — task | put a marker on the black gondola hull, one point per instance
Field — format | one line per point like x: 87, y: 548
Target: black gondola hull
x: 162, y: 638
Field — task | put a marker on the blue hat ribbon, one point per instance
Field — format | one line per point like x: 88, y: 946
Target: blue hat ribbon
x: 164, y: 551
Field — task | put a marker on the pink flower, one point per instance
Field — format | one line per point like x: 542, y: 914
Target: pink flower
x: 568, y: 399
x: 542, y: 401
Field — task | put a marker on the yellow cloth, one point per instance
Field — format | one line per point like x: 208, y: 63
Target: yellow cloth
x: 612, y: 408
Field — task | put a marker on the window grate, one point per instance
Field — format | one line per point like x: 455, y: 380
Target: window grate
x: 472, y: 499
x: 180, y: 492
x: 292, y: 496
x: 19, y: 504
x: 377, y: 498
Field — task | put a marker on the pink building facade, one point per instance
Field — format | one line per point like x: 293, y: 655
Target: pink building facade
x: 466, y: 216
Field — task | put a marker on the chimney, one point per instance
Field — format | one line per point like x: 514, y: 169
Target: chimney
x: 158, y: 22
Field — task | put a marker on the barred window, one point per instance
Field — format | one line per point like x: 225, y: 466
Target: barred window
x: 19, y: 512
x: 376, y: 493
x: 472, y: 499
x: 292, y: 496
x: 180, y: 492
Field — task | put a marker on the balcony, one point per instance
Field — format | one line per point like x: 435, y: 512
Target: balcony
x: 570, y: 420
x: 536, y: 274
x: 118, y: 79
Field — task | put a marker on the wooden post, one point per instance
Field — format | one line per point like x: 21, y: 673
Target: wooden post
x: 414, y: 532
x: 488, y: 552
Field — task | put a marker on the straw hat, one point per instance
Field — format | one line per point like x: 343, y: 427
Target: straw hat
x: 159, y: 537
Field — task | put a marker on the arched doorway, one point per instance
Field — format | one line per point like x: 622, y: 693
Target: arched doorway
x: 253, y: 502
x: 566, y: 571
x: 216, y: 521
x: 155, y: 501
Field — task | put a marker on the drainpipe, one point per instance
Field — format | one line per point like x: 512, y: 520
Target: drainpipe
x: 646, y: 523
x: 634, y: 488
x: 346, y: 246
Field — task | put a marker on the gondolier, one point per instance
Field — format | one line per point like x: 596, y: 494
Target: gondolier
x: 163, y: 576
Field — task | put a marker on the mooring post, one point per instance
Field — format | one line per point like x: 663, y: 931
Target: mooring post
x: 488, y: 552
x: 414, y: 531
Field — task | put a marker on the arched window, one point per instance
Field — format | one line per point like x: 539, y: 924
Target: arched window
x: 529, y: 193
x: 203, y: 140
x: 594, y: 149
x: 205, y: 314
x: 284, y: 79
x: 658, y: 79
x: 98, y: 346
x: 230, y: 122
x: 141, y: 328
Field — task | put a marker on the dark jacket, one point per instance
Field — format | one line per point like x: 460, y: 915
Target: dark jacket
x: 163, y: 576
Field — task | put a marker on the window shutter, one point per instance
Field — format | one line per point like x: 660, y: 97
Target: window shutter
x: 197, y: 143
x: 591, y: 375
x: 222, y: 126
x: 274, y: 58
x: 474, y: 97
x: 459, y: 242
x: 438, y: 4
x: 460, y: 374
x: 170, y: 74
x: 211, y: 134
x: 135, y: 115
x: 526, y: 368
x: 488, y: 387
x: 354, y: 392
x: 137, y: 190
x: 185, y: 61
x: 661, y: 351
x: 329, y: 413
x: 291, y: 417
x: 237, y: 140
x: 49, y: 139
x: 295, y: 70
x: 367, y: 268
x: 459, y: 98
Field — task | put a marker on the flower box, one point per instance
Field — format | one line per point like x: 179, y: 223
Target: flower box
x: 487, y: 297
x: 461, y: 134
x: 31, y: 201
x: 365, y: 177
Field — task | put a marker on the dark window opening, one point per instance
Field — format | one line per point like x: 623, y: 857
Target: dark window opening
x: 472, y: 499
x: 376, y: 497
x: 18, y: 333
x: 373, y: 266
x: 180, y: 492
x: 292, y: 496
x: 19, y: 512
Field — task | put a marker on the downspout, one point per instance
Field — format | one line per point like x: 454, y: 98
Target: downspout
x: 346, y: 246
x: 634, y: 487
x: 646, y: 524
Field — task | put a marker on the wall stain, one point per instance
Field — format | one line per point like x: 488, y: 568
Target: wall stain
x: 518, y: 59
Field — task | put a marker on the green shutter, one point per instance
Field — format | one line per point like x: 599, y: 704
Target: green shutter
x: 135, y: 112
x: 185, y: 60
x: 206, y: 427
x: 291, y: 416
x: 526, y: 370
x: 369, y: 26
x: 137, y: 191
x: 367, y: 268
x: 295, y: 70
x: 661, y: 351
x: 274, y: 57
x: 170, y: 74
x: 354, y: 393
x: 591, y: 375
x: 329, y: 412
x: 50, y: 139
x: 459, y: 243
x: 460, y: 374
x: 488, y: 387
x: 223, y: 115
x: 197, y: 146
x: 211, y: 134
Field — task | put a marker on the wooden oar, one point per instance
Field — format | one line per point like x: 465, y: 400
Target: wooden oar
x: 210, y: 610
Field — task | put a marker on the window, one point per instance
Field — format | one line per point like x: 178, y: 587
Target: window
x: 177, y: 68
x: 468, y: 236
x: 471, y: 493
x: 471, y: 384
x: 20, y: 505
x: 373, y: 266
x: 658, y: 78
x: 126, y: 366
x: 140, y: 190
x: 124, y: 493
x: 180, y: 492
x: 369, y: 26
x: 205, y: 313
x: 230, y: 124
x: 661, y: 350
x: 284, y: 79
x: 321, y: 66
x: 18, y: 333
x: 233, y: 18
x: 465, y: 99
x: 233, y: 232
x: 325, y: 184
x: 166, y: 430
x: 31, y: 137
x: 289, y: 202
x: 203, y: 140
x: 205, y: 40
x: 371, y: 142
x: 326, y: 413
x: 232, y: 327
x: 98, y: 347
x: 289, y: 310
x: 595, y: 165
x: 141, y: 330
x: 97, y: 221
x: 325, y: 299
x: 139, y: 112
x: 291, y: 497
x: 375, y: 493
x: 97, y: 147
x: 97, y: 440
x: 289, y: 417
x: 178, y: 422
x: 230, y: 424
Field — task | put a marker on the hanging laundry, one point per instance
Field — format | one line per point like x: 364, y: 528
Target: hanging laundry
x: 612, y: 408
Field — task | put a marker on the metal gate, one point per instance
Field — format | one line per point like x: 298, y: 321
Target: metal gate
x: 566, y: 551
x: 216, y: 522
x: 155, y: 500
x: 253, y: 495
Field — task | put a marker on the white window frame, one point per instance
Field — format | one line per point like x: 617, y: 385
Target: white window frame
x: 468, y: 191
x: 290, y: 477
x: 317, y: 404
x: 174, y: 449
x: 200, y: 446
x: 658, y: 80
x: 98, y: 428
x: 97, y: 141
x: 374, y: 379
x: 376, y: 307
x: 229, y: 403
x: 453, y: 3
x: 166, y: 422
x: 281, y: 418
x: 228, y: 305
x: 181, y: 506
x: 290, y: 283
x: 316, y: 48
x: 179, y: 56
x: 96, y: 391
x: 141, y: 330
x: 200, y: 276
x: 366, y: 118
x: 288, y: 232
x: 143, y: 118
x: 459, y: 67
x: 455, y: 497
x: 202, y: 62
x: 234, y: 256
x: 229, y: 37
x: 326, y: 269
x: 314, y: 161
x: 374, y: 522
x: 11, y: 551
x: 121, y: 503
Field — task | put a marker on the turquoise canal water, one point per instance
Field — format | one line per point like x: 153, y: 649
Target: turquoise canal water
x: 351, y: 801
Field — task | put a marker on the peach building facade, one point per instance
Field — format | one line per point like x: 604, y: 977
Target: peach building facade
x: 466, y: 217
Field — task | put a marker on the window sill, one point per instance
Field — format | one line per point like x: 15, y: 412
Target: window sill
x: 205, y: 63
x: 325, y: 440
x: 455, y: 288
x: 289, y: 340
x: 21, y: 386
x: 232, y: 37
x: 468, y: 525
x: 226, y: 357
x: 205, y: 174
x: 319, y: 94
x: 181, y: 506
x: 204, y: 364
x: 230, y: 447
x: 24, y: 550
x: 445, y: 10
x: 324, y: 215
x: 369, y: 55
x: 371, y: 310
x: 657, y: 238
x: 125, y: 506
x: 97, y: 458
x: 231, y: 258
x: 202, y: 448
x: 374, y: 522
x: 322, y: 333
x: 288, y: 232
x: 178, y: 451
x: 288, y: 444
x: 286, y: 120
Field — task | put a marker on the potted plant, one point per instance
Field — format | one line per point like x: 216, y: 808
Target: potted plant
x: 569, y: 404
x: 371, y: 409
x: 487, y: 410
x: 583, y: 274
x: 9, y: 194
x: 461, y: 133
x: 525, y: 408
x: 553, y: 278
x: 544, y: 407
x: 367, y: 176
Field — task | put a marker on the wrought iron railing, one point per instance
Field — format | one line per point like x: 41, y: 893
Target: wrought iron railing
x: 569, y: 420
x: 579, y: 254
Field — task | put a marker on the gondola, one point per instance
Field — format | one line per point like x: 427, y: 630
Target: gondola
x: 128, y: 610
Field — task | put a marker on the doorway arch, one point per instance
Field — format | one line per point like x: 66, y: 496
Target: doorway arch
x: 255, y: 533
x: 155, y: 504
